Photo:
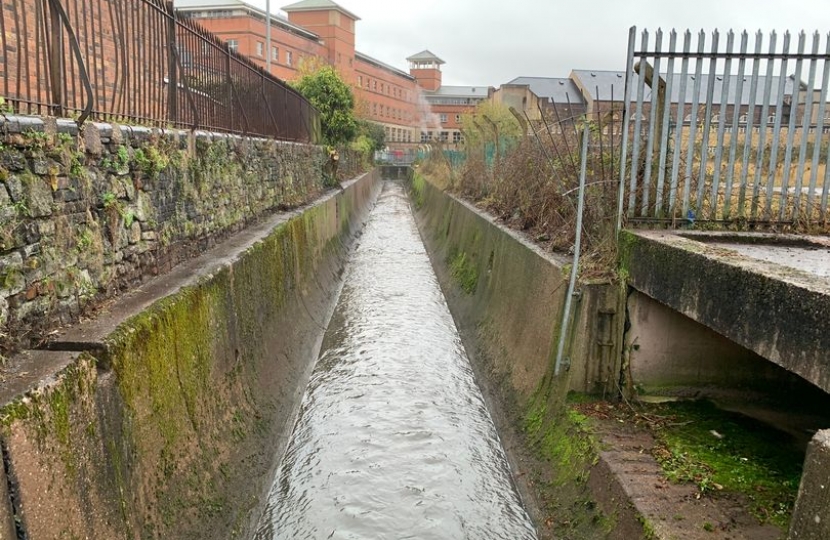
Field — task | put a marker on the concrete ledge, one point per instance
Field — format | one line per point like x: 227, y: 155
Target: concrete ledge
x: 776, y: 311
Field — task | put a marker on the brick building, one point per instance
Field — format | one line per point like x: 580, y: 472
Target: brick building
x: 321, y: 31
x: 446, y: 103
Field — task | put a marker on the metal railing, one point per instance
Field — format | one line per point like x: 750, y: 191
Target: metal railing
x: 735, y: 132
x: 135, y: 61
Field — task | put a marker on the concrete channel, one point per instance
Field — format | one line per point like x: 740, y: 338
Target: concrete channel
x: 336, y: 372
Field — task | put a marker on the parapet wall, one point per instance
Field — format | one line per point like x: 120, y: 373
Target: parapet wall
x: 165, y: 416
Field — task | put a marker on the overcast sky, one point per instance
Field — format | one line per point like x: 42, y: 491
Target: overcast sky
x: 489, y: 43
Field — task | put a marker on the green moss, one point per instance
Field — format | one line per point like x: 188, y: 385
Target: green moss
x: 648, y: 529
x: 418, y: 187
x: 718, y: 450
x: 165, y: 377
x: 15, y: 411
x: 464, y: 271
x: 626, y: 242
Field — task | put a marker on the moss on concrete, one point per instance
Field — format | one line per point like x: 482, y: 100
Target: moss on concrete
x: 464, y: 271
x: 723, y: 451
x: 418, y: 185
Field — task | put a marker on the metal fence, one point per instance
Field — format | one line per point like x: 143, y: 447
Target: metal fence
x: 731, y: 131
x: 136, y: 61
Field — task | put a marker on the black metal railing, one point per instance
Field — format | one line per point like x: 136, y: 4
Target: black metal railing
x: 135, y: 61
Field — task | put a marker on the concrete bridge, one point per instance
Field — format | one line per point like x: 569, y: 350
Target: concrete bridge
x: 740, y: 318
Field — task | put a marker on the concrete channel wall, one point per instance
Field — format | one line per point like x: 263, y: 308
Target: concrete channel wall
x: 164, y: 416
x: 510, y: 294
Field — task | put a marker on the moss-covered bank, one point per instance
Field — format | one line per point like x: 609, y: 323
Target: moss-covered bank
x: 172, y: 428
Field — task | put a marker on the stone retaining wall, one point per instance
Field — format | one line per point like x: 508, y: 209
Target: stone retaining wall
x: 86, y: 214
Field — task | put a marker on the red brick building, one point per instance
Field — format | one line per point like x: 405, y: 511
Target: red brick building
x: 321, y: 31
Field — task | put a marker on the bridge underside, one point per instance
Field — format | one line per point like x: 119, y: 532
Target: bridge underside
x: 768, y: 294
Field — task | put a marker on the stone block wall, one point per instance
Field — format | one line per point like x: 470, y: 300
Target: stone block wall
x: 87, y: 213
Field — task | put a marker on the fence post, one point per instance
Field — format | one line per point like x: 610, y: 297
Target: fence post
x: 56, y: 61
x: 172, y: 68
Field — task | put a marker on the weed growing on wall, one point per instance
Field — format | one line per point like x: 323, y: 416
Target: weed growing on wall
x: 527, y: 175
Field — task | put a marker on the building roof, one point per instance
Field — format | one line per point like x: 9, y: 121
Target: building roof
x: 224, y: 5
x: 600, y: 84
x: 374, y: 61
x: 319, y: 5
x: 556, y: 90
x: 425, y: 56
x: 459, y: 92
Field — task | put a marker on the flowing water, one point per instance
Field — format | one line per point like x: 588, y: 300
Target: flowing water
x: 393, y: 439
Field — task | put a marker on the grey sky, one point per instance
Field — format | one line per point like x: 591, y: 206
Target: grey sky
x: 488, y: 43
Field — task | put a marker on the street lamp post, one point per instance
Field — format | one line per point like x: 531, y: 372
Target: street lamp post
x: 268, y: 36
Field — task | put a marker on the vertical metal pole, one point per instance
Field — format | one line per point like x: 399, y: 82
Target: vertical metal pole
x: 665, y: 129
x: 754, y: 86
x: 819, y: 128
x: 762, y: 128
x: 566, y: 314
x: 707, y: 126
x: 657, y: 103
x: 721, y: 130
x: 268, y: 36
x: 629, y: 67
x: 736, y: 121
x: 679, y: 123
x: 690, y: 153
x: 795, y: 99
x: 776, y: 133
x: 56, y: 78
x: 807, y: 122
x: 636, y: 156
x: 172, y: 68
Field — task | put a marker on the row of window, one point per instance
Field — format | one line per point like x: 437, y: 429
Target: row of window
x: 233, y: 44
x: 398, y: 134
x: 383, y: 88
x: 445, y: 118
x: 454, y: 101
x: 385, y: 111
x: 442, y: 136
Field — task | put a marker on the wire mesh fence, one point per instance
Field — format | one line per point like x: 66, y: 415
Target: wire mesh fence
x: 135, y: 61
x: 733, y: 130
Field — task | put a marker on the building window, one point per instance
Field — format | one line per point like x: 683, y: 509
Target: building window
x: 443, y: 118
x: 275, y: 54
x: 360, y: 80
x: 445, y: 136
x: 260, y: 48
x: 424, y: 137
x: 381, y: 88
x: 288, y: 58
x: 456, y: 137
x: 457, y: 118
x: 375, y: 86
x: 233, y: 44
